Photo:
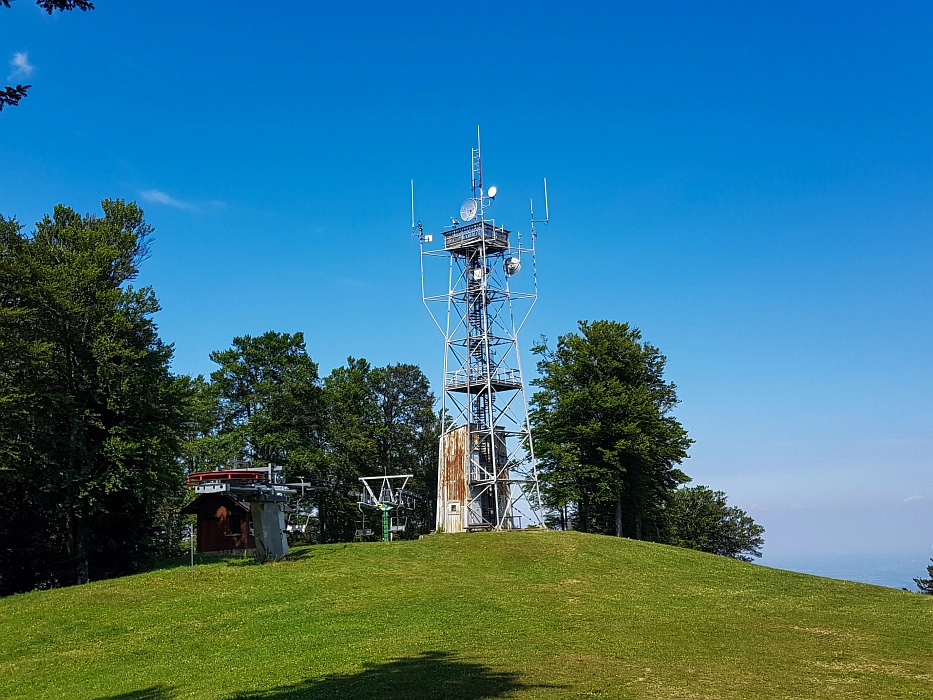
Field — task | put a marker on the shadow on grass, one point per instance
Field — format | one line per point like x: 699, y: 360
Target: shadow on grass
x: 184, y: 562
x: 298, y: 553
x: 432, y: 675
x: 156, y: 692
x: 315, y: 551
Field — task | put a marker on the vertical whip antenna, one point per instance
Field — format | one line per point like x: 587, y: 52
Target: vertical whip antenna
x: 476, y: 165
x: 546, y: 214
x: 479, y: 158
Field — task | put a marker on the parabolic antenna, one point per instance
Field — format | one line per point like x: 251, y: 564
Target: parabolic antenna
x: 511, y: 266
x: 468, y: 210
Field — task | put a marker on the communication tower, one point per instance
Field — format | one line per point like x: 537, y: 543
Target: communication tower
x: 487, y: 477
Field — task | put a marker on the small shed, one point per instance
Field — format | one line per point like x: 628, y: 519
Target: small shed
x: 224, y: 524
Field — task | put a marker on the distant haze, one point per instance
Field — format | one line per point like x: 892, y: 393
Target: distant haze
x: 750, y: 184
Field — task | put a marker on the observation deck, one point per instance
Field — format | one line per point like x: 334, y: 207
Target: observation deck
x: 468, y: 238
x: 501, y: 380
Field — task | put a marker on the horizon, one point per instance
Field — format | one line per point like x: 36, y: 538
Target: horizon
x: 749, y: 186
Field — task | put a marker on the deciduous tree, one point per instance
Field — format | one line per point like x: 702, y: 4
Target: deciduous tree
x: 269, y: 399
x: 700, y: 518
x: 603, y: 430
x: 90, y: 415
x: 407, y: 433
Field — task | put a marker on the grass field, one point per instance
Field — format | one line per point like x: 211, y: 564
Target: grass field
x: 464, y: 617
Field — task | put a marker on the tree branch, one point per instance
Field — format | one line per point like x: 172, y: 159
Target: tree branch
x: 10, y: 96
x: 63, y: 5
x: 60, y: 5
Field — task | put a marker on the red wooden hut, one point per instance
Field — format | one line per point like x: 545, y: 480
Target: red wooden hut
x: 223, y: 524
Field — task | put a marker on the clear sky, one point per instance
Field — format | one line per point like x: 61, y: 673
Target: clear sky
x: 750, y: 184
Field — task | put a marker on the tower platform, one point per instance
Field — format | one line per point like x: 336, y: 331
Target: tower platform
x: 464, y: 240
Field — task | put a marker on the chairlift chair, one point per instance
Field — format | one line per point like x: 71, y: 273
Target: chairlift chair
x: 361, y: 529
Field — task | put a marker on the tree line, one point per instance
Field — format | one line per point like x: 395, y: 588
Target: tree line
x: 609, y: 448
x: 97, y: 434
x: 266, y: 404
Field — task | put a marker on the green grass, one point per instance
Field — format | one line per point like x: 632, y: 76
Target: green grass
x: 464, y: 617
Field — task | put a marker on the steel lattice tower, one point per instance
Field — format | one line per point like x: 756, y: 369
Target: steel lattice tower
x: 487, y: 478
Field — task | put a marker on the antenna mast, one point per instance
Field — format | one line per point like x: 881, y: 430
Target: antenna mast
x: 487, y: 475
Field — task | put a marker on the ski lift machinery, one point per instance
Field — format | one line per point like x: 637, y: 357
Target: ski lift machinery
x: 385, y: 494
x: 265, y: 490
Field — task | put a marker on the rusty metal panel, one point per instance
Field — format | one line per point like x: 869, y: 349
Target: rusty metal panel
x: 452, y: 492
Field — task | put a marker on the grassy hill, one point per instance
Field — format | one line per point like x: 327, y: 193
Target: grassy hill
x: 464, y: 617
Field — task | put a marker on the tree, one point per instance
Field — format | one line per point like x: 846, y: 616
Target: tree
x: 699, y: 518
x: 603, y: 432
x: 926, y: 584
x: 407, y: 433
x: 350, y: 446
x: 205, y: 446
x: 60, y: 5
x: 11, y: 96
x: 265, y: 403
x: 90, y: 415
x: 268, y: 400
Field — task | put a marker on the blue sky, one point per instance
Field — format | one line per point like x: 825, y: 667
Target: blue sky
x: 749, y: 184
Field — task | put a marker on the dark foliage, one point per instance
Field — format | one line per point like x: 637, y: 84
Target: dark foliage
x: 265, y: 403
x: 700, y: 518
x: 11, y: 96
x: 90, y: 416
x: 926, y: 584
x: 61, y: 5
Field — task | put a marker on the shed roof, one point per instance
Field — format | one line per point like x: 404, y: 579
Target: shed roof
x: 211, y: 501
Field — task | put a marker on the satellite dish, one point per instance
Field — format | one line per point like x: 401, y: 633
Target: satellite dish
x: 492, y: 192
x: 468, y: 210
x: 511, y: 266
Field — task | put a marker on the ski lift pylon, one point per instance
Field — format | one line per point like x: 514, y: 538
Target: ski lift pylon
x: 386, y: 493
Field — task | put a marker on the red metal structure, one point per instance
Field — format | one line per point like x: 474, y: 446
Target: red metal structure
x: 238, y: 475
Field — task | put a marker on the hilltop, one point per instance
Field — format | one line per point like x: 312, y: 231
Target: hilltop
x: 464, y: 617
